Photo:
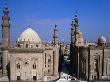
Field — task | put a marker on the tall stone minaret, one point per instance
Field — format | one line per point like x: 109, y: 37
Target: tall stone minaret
x: 77, y: 43
x: 55, y: 36
x: 74, y: 46
x: 5, y: 39
x: 56, y: 52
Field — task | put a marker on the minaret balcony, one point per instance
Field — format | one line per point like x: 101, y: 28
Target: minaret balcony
x: 5, y: 25
x: 5, y: 17
x: 55, y: 36
x: 55, y: 29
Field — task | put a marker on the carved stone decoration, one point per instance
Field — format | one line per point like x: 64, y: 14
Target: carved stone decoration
x: 19, y: 59
x: 25, y: 62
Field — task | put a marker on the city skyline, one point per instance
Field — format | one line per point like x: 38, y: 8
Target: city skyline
x: 43, y: 15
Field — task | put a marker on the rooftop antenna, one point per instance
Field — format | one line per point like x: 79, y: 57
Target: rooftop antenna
x: 56, y: 25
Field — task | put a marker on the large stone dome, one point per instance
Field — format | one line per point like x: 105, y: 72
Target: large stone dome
x: 29, y: 35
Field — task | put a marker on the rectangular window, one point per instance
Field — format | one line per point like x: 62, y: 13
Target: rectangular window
x: 49, y: 60
x: 48, y: 65
x: 34, y: 78
x: 18, y: 77
x: 48, y: 71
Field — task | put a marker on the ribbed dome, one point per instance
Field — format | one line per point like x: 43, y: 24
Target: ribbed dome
x: 29, y: 35
x: 102, y: 39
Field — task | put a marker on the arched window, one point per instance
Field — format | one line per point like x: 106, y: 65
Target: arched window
x: 34, y: 66
x: 18, y: 66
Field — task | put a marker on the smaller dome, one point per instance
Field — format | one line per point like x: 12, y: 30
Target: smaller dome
x: 102, y: 40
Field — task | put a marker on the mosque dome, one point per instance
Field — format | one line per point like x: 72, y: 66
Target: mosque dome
x: 102, y: 40
x: 29, y: 35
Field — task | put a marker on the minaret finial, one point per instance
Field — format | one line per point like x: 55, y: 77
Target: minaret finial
x: 76, y: 14
x: 5, y: 10
x: 56, y: 25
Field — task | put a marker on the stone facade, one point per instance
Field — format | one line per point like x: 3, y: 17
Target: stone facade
x: 34, y: 65
x: 29, y: 59
x: 99, y: 62
x: 89, y: 62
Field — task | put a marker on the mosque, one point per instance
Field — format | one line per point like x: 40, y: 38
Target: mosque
x: 89, y: 61
x: 30, y: 59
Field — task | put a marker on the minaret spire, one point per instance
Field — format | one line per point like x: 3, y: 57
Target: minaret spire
x: 76, y: 19
x: 5, y: 38
x: 76, y: 22
x: 72, y: 24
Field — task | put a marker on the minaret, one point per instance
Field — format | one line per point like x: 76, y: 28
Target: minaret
x: 74, y: 49
x: 72, y: 41
x: 72, y: 32
x: 56, y: 52
x: 5, y: 39
x: 55, y: 36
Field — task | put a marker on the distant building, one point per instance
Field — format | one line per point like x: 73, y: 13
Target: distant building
x: 29, y: 59
x: 89, y: 61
